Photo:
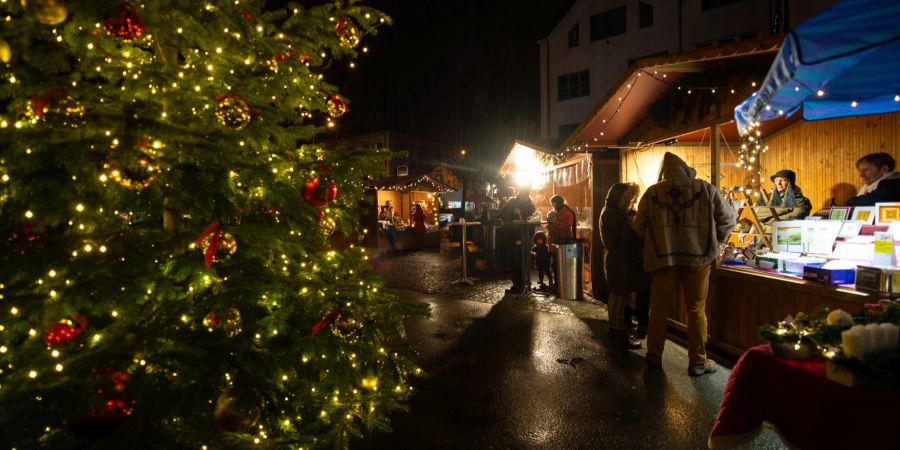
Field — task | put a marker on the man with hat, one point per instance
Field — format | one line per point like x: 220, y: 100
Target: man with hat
x: 787, y: 198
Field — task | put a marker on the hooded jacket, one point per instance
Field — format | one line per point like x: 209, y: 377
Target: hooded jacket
x: 622, y: 261
x: 681, y: 219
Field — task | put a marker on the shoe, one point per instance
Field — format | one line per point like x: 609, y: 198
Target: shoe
x: 707, y: 367
x: 640, y: 333
x: 625, y: 340
x: 654, y: 362
x: 515, y: 290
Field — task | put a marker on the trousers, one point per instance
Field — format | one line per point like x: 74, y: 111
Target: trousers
x: 694, y: 282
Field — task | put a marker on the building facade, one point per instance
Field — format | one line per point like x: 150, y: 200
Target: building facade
x: 597, y: 40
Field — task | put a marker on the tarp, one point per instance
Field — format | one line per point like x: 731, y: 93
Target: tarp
x: 843, y: 62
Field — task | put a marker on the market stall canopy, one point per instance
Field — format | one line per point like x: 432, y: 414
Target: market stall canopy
x: 624, y: 115
x: 843, y: 62
x: 410, y: 183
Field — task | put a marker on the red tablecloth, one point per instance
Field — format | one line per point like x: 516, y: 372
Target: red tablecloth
x: 807, y: 410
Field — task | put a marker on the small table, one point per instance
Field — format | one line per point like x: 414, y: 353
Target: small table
x: 465, y: 278
x: 808, y: 410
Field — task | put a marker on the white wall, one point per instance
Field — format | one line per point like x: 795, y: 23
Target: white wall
x: 607, y: 60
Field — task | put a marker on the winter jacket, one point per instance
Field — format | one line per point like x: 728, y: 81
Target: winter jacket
x: 622, y: 261
x: 801, y: 208
x: 681, y: 219
x: 888, y: 190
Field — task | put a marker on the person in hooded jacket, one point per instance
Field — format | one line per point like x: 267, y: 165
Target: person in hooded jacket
x: 683, y: 221
x: 622, y: 262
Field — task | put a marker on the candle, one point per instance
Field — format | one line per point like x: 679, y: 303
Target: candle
x: 877, y: 339
x: 892, y: 333
x: 850, y: 340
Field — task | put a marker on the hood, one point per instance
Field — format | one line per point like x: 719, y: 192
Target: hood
x: 674, y: 167
x: 620, y: 194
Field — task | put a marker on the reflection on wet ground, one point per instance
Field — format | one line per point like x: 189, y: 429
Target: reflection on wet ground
x: 537, y: 372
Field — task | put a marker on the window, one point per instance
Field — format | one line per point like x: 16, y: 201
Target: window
x: 607, y: 24
x: 645, y: 15
x: 573, y: 85
x: 566, y: 130
x: 573, y: 36
x: 706, y: 5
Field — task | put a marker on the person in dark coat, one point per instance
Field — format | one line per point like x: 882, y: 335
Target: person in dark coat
x: 880, y: 182
x: 622, y: 260
x: 787, y: 200
x: 541, y: 253
x: 517, y: 209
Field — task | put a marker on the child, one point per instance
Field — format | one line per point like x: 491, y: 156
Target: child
x: 541, y: 253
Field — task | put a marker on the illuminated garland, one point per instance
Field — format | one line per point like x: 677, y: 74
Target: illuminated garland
x: 749, y: 156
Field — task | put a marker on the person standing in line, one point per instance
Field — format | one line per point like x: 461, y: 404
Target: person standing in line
x: 419, y: 225
x: 519, y: 207
x: 880, y: 182
x: 621, y: 259
x: 682, y: 221
x: 562, y: 225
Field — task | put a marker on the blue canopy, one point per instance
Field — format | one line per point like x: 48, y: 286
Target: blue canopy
x: 843, y: 62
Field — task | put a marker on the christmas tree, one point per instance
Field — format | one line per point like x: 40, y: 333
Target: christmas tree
x: 167, y: 277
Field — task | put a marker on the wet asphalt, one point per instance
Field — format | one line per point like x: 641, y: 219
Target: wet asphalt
x: 506, y: 372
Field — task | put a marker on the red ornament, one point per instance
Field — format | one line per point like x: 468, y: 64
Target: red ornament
x: 341, y: 26
x: 127, y: 26
x: 303, y: 58
x: 113, y: 405
x: 317, y: 194
x: 247, y: 16
x: 65, y: 331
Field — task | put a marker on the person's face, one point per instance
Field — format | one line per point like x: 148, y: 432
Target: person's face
x: 387, y: 203
x: 869, y: 173
x: 781, y: 184
x: 539, y: 241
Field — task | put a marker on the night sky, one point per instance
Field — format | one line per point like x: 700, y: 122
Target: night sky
x: 460, y: 72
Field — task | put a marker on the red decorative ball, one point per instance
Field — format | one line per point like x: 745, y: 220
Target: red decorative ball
x: 65, y: 331
x: 127, y: 26
x: 319, y: 194
x: 247, y: 16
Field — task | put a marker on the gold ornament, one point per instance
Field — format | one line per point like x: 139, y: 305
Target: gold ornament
x: 228, y: 321
x: 336, y: 106
x: 237, y: 412
x: 345, y: 327
x: 56, y: 107
x: 5, y: 51
x: 227, y: 245
x: 136, y: 170
x: 347, y: 32
x: 233, y: 112
x: 48, y: 12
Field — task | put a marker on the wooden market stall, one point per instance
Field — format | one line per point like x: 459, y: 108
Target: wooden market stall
x: 548, y: 175
x: 683, y: 104
x: 404, y: 192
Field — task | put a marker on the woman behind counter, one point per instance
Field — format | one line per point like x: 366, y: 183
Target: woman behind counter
x: 880, y: 182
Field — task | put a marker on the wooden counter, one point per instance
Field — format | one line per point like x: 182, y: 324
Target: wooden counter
x: 742, y: 299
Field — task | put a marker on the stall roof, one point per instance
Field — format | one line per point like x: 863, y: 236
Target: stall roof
x: 410, y: 183
x: 523, y: 153
x: 627, y: 103
x: 843, y: 62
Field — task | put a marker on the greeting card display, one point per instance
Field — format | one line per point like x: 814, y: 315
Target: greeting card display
x: 864, y: 214
x: 808, y: 236
x: 887, y: 213
x: 839, y: 213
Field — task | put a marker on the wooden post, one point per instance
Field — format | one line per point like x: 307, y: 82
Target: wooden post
x: 714, y: 162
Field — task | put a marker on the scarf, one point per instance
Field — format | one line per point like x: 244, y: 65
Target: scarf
x: 786, y: 199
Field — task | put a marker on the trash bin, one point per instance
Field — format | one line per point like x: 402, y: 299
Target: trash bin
x: 569, y: 263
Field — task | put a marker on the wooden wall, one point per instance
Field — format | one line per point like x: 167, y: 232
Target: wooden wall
x: 642, y: 166
x: 822, y: 153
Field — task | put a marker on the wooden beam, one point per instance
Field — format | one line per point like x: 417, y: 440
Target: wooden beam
x: 714, y: 161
